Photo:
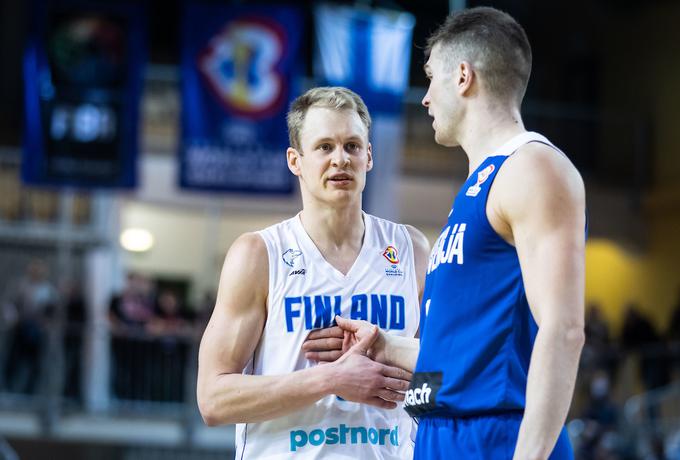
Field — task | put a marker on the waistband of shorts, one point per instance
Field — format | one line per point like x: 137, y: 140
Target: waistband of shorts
x: 443, y: 415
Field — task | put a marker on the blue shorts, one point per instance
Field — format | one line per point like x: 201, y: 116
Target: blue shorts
x: 476, y: 438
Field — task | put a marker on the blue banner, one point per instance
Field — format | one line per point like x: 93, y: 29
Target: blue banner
x: 83, y: 78
x: 239, y: 67
x: 368, y: 51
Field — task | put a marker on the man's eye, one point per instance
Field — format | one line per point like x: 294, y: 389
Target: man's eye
x: 352, y: 146
x: 325, y: 147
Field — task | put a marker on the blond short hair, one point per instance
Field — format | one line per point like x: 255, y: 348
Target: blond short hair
x: 329, y: 97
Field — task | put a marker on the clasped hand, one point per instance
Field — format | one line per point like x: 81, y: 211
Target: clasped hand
x: 356, y: 350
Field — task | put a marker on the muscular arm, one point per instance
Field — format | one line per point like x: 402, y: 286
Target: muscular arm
x: 225, y: 395
x: 546, y: 219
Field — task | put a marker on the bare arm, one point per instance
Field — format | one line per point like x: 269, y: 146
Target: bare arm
x: 225, y: 395
x: 398, y: 351
x: 421, y: 252
x: 546, y: 218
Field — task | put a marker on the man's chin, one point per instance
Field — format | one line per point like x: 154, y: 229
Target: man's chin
x: 342, y: 195
x: 445, y: 141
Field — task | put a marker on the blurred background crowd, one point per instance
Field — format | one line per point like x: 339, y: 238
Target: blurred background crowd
x: 128, y: 165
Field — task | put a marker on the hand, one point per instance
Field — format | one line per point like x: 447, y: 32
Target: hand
x: 358, y: 378
x: 356, y: 330
x: 324, y: 345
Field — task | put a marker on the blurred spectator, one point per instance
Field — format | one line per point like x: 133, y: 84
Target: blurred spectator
x: 170, y: 317
x: 673, y: 334
x: 172, y: 330
x: 8, y: 319
x: 640, y: 336
x: 598, y: 440
x: 129, y: 314
x: 674, y: 326
x: 74, y: 305
x: 204, y: 311
x: 598, y: 352
x: 31, y: 306
x: 132, y: 309
x: 601, y: 408
x: 596, y: 328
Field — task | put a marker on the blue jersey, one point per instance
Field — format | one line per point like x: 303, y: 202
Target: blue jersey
x: 477, y: 331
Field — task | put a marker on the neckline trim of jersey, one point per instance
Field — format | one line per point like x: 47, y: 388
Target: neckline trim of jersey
x: 515, y: 142
x: 311, y: 246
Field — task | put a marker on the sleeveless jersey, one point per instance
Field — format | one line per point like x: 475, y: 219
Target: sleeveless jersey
x: 478, y: 332
x: 305, y: 293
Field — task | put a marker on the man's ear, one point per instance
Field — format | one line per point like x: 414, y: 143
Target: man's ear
x: 466, y: 78
x: 293, y: 159
x: 369, y: 151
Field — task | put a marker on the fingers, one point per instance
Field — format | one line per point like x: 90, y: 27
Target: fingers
x: 396, y: 384
x: 363, y: 345
x: 323, y: 356
x: 390, y: 395
x: 396, y: 373
x: 325, y: 344
x: 326, y: 333
x: 347, y: 324
x: 381, y: 403
x: 347, y: 341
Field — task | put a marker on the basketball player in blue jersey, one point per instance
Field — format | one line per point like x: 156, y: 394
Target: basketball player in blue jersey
x: 503, y: 307
x: 280, y: 283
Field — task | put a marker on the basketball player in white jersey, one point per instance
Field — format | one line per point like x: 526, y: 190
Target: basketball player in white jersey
x: 502, y: 318
x: 280, y: 283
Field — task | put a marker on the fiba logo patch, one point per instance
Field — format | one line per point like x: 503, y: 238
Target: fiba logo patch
x: 482, y: 176
x: 239, y: 65
x: 390, y: 253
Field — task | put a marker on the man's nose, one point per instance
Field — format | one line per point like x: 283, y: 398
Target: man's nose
x: 426, y: 99
x: 339, y: 157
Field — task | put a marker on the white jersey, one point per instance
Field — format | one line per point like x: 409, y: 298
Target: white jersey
x: 305, y: 293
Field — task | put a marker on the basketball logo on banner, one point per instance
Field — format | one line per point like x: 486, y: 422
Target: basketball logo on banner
x: 239, y: 65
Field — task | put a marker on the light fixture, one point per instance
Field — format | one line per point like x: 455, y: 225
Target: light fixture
x: 136, y: 240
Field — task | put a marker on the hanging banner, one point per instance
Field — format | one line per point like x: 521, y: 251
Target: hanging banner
x: 240, y: 68
x: 369, y: 51
x: 83, y: 79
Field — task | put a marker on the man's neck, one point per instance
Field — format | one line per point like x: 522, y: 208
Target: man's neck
x: 486, y: 130
x: 334, y: 228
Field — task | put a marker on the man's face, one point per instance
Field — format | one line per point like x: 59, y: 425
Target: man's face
x: 442, y: 99
x: 335, y: 155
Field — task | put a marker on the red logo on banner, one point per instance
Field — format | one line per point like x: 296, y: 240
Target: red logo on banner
x: 239, y: 64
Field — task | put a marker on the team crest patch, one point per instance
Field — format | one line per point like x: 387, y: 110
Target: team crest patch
x: 290, y: 256
x: 482, y: 176
x: 390, y: 253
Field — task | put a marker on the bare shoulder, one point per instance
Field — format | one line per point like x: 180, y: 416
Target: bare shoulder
x: 249, y: 245
x: 538, y: 174
x: 539, y: 164
x: 420, y: 241
x: 246, y: 265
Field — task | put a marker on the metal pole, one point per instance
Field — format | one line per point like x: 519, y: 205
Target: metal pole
x: 53, y: 364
